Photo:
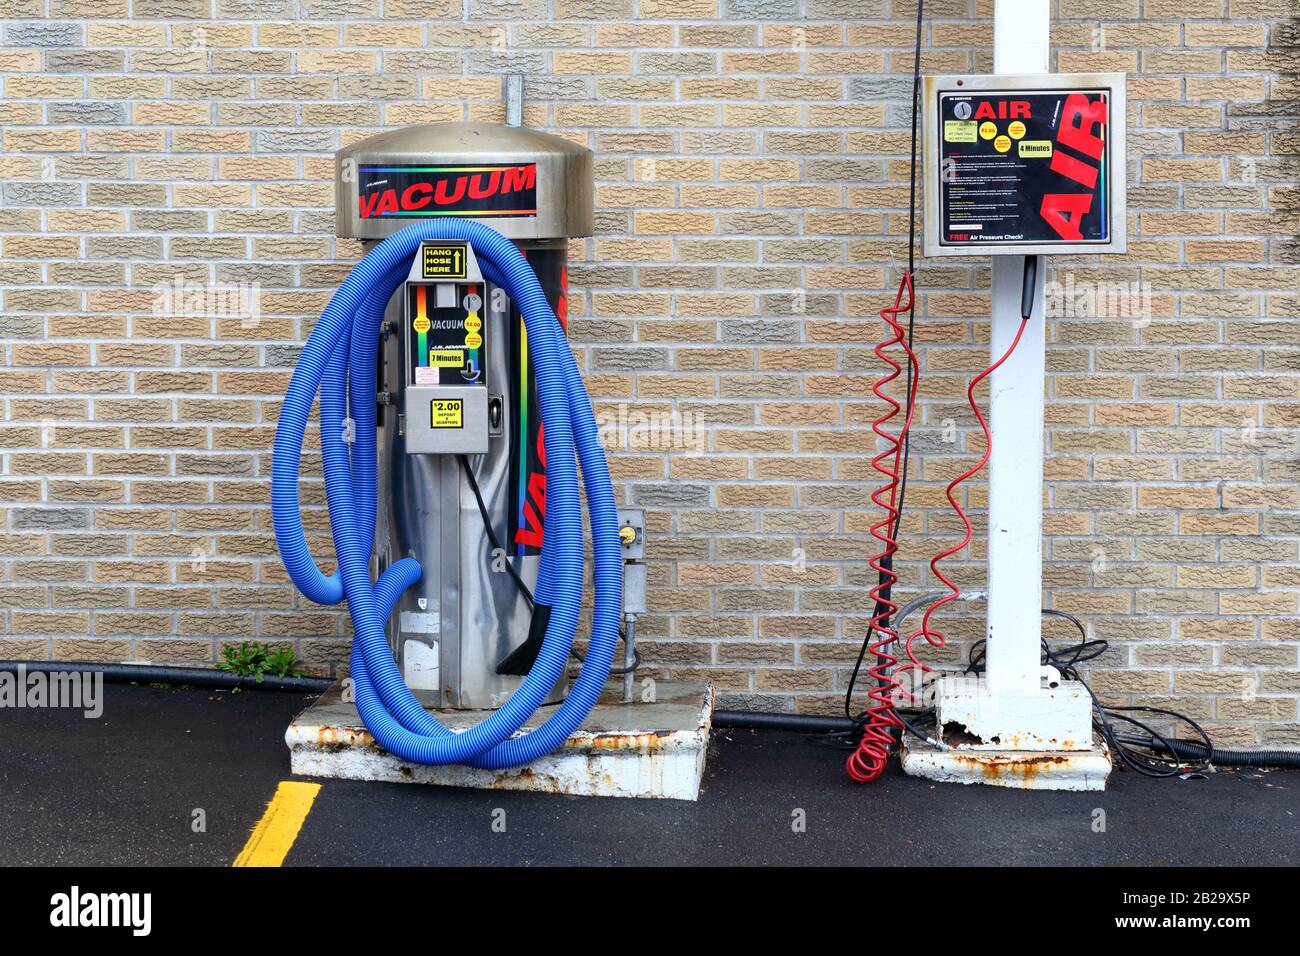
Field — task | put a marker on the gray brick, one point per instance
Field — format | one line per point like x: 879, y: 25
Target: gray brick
x: 50, y: 519
x: 172, y: 9
x: 761, y: 330
x: 762, y: 9
x: 44, y: 34
x: 295, y: 140
x: 42, y: 194
x: 87, y: 113
x: 677, y: 494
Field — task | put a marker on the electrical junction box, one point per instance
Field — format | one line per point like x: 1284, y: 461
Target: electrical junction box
x: 1028, y: 164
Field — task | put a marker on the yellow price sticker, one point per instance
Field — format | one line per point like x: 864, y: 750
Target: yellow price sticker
x: 447, y: 413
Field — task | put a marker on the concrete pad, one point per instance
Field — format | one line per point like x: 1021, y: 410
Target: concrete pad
x: 639, y: 749
x: 1021, y: 769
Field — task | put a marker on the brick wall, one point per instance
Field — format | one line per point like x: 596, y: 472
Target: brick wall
x: 751, y: 197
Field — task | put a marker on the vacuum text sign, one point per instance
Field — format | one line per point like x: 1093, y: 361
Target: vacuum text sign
x: 416, y: 192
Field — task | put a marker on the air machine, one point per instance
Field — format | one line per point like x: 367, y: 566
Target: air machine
x: 1017, y: 165
x: 452, y: 421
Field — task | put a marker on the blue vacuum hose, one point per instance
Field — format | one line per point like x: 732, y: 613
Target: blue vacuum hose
x: 338, y: 361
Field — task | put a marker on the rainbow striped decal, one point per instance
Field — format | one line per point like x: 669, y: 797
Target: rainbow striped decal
x: 421, y: 324
x: 528, y: 452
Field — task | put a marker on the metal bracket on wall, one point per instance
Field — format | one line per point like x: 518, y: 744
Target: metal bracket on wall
x: 631, y: 525
x: 512, y: 93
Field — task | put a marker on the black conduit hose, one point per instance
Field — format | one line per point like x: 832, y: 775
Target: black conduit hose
x: 1184, y: 749
x: 722, y: 719
x: 159, y: 674
x: 1195, y: 750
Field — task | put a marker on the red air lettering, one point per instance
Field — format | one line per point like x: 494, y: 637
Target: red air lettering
x: 1075, y: 169
x: 1078, y: 120
x: 1064, y: 212
x: 1005, y: 109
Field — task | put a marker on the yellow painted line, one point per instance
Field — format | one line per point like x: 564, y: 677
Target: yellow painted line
x: 274, y: 834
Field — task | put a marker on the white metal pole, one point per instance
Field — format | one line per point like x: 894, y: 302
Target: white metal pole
x: 1015, y: 560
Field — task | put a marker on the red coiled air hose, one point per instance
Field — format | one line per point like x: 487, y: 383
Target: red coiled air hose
x: 868, y: 761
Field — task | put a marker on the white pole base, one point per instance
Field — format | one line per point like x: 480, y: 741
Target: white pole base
x: 973, y: 718
x: 1036, y: 740
x: 1020, y: 769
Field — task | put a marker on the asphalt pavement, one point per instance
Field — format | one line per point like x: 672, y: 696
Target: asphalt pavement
x: 180, y: 776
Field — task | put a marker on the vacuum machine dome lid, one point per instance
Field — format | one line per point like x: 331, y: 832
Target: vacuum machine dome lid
x: 524, y: 183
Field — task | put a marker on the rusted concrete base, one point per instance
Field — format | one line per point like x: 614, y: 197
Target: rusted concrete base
x: 1023, y: 769
x: 622, y: 750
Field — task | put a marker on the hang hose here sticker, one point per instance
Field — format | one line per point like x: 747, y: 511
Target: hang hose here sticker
x: 1024, y: 166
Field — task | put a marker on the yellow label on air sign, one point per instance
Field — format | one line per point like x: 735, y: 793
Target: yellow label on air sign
x: 959, y: 131
x: 443, y: 260
x: 446, y: 358
x: 988, y: 130
x: 447, y: 413
x: 1002, y: 144
x: 1035, y: 149
x: 1016, y: 129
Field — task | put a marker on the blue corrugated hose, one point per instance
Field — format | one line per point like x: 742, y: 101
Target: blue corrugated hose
x: 339, y: 362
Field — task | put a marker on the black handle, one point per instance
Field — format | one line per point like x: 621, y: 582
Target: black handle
x: 1031, y: 282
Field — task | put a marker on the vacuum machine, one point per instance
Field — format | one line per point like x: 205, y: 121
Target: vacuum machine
x: 452, y: 421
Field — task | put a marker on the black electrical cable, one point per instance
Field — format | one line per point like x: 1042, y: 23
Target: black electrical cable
x: 525, y: 591
x: 1145, y: 755
x: 498, y: 552
x: 887, y: 562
